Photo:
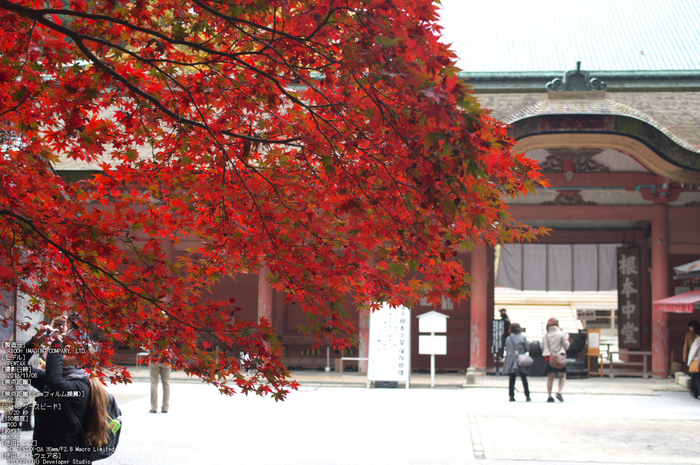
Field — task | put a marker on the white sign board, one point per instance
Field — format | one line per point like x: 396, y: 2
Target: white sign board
x: 432, y: 345
x: 389, y: 344
x: 432, y: 322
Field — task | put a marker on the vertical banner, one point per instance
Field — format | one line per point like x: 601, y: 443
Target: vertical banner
x: 628, y: 298
x: 497, y: 330
x: 390, y: 344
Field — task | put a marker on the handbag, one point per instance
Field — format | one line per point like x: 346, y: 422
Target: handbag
x: 557, y: 361
x: 694, y: 366
x: 524, y: 360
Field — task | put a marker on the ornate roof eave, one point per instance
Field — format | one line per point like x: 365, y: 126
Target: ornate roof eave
x: 578, y: 114
x: 604, y: 123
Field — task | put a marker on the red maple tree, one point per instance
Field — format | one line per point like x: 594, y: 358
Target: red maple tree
x: 329, y: 141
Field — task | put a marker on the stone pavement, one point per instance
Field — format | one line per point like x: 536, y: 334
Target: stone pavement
x: 333, y: 419
x: 593, y: 385
x: 621, y: 420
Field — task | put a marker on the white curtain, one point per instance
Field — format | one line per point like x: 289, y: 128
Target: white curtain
x: 586, y: 267
x: 607, y: 266
x: 510, y: 269
x: 534, y: 267
x: 558, y: 267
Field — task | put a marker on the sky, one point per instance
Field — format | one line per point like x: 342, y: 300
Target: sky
x: 546, y: 35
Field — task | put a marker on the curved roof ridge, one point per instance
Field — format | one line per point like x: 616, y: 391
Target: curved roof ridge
x: 605, y: 106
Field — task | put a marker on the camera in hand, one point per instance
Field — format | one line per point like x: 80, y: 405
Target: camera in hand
x: 48, y: 331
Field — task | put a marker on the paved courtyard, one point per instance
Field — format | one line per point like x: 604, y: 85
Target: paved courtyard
x: 335, y: 421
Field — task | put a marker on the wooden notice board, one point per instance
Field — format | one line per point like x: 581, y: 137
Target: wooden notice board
x: 594, y: 342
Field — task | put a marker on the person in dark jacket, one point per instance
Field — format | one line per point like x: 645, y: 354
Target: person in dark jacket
x: 63, y: 386
x: 506, y: 325
x: 516, y: 343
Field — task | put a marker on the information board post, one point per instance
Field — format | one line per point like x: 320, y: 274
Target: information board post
x: 432, y: 322
x: 432, y: 366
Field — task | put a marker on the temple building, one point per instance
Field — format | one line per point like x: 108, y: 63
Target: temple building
x: 605, y: 98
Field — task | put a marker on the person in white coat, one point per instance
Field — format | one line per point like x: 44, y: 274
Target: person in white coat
x: 694, y: 356
x: 555, y: 341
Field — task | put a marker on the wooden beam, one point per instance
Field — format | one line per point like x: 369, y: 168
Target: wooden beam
x: 581, y: 212
x: 627, y: 181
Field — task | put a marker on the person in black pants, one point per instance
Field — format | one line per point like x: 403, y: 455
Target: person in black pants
x: 516, y: 343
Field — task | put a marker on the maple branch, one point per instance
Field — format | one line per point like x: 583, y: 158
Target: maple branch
x: 72, y: 258
x: 355, y: 103
x: 390, y: 121
x: 26, y: 50
x: 36, y: 13
x: 78, y: 38
x: 11, y: 109
x: 302, y: 40
x: 358, y: 183
x: 39, y: 15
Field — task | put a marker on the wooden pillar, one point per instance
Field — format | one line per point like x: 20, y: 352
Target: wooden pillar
x: 168, y: 247
x: 264, y: 296
x: 478, y: 340
x: 659, y: 290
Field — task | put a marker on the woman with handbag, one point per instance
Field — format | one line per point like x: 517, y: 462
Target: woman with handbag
x: 694, y: 366
x: 516, y: 361
x: 554, y: 345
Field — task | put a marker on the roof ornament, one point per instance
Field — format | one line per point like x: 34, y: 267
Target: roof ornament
x: 576, y: 80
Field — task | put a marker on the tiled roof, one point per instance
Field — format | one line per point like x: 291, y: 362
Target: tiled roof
x: 544, y: 35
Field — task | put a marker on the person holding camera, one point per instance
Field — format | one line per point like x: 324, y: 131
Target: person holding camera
x: 64, y: 386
